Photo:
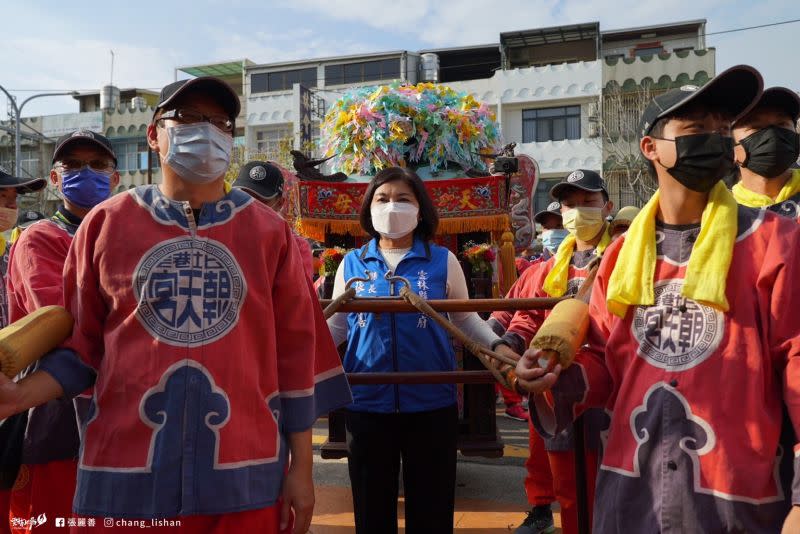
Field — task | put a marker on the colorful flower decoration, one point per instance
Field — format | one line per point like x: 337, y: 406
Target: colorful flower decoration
x: 481, y: 258
x: 373, y: 128
x: 331, y: 258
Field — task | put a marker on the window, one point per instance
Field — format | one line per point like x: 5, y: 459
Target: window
x: 551, y: 124
x: 649, y: 51
x: 269, y: 142
x: 131, y: 154
x: 368, y: 71
x: 282, y: 80
x: 29, y: 164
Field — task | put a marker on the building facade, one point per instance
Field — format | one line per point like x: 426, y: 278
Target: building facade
x: 638, y: 64
x: 122, y: 115
x: 568, y: 96
x: 546, y: 96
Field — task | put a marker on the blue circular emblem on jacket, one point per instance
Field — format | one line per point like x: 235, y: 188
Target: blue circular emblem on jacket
x: 189, y: 291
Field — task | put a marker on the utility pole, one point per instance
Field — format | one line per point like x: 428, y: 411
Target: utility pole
x: 18, y: 121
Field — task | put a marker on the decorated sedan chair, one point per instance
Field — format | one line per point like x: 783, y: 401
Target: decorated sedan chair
x: 452, y: 142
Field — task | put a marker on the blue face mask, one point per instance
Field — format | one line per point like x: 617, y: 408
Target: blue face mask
x: 85, y: 188
x: 551, y: 239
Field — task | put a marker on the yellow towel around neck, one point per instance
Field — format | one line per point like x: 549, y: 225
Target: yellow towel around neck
x: 631, y: 282
x: 751, y: 199
x: 556, y: 281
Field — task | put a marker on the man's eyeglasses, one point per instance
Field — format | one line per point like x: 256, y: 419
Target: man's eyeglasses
x: 190, y: 116
x: 100, y: 165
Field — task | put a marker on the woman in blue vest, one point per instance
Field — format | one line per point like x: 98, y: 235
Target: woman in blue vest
x: 417, y: 423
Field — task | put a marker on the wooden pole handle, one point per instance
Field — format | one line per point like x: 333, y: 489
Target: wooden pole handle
x: 25, y: 341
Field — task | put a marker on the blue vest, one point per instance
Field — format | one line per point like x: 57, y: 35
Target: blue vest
x: 405, y: 342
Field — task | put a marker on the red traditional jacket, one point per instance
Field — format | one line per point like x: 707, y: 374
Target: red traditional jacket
x: 696, y: 394
x: 34, y: 280
x: 209, y: 348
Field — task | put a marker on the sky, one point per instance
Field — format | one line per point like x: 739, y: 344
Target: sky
x: 63, y: 46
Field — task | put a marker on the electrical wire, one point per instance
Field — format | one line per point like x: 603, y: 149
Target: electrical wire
x: 479, y: 64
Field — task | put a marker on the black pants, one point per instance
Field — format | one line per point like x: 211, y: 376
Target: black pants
x: 426, y: 441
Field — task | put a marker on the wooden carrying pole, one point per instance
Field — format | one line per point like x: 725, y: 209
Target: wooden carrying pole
x: 421, y: 377
x: 386, y: 305
x: 28, y: 339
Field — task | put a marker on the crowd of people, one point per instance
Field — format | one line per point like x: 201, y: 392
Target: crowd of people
x: 200, y: 359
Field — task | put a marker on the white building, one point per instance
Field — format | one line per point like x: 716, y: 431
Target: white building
x: 544, y: 86
x: 271, y: 104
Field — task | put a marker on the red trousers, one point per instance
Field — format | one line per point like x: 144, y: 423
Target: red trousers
x: 551, y: 476
x: 49, y: 489
x: 539, y: 479
x: 42, y: 489
x: 509, y: 397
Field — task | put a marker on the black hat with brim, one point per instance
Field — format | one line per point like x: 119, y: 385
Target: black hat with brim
x: 221, y: 91
x: 28, y: 217
x: 22, y: 185
x: 734, y: 92
x: 554, y: 208
x: 579, y: 179
x: 83, y: 137
x: 260, y: 178
x: 780, y: 98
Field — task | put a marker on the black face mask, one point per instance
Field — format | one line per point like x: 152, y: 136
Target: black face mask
x: 703, y: 160
x: 770, y: 151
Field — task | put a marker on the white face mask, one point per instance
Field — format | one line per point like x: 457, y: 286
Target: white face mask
x: 584, y: 222
x: 394, y: 219
x: 8, y: 218
x: 199, y: 153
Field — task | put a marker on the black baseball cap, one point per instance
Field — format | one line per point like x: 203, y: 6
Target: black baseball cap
x: 22, y: 185
x: 554, y: 208
x: 221, y: 91
x: 580, y: 179
x: 85, y: 137
x: 734, y: 91
x: 28, y: 217
x: 260, y: 178
x: 780, y: 98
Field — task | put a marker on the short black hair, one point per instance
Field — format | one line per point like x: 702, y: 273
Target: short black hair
x: 429, y: 218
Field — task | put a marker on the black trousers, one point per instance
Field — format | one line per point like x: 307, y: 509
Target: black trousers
x: 426, y: 442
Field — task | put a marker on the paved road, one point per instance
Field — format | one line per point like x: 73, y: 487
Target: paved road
x: 489, y: 492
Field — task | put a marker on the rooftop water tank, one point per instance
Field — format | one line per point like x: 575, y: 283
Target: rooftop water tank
x: 109, y: 97
x: 429, y: 68
x: 138, y: 102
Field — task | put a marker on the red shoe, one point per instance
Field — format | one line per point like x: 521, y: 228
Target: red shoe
x: 517, y: 411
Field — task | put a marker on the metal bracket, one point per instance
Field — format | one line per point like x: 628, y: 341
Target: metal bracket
x: 357, y: 279
x: 391, y: 278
